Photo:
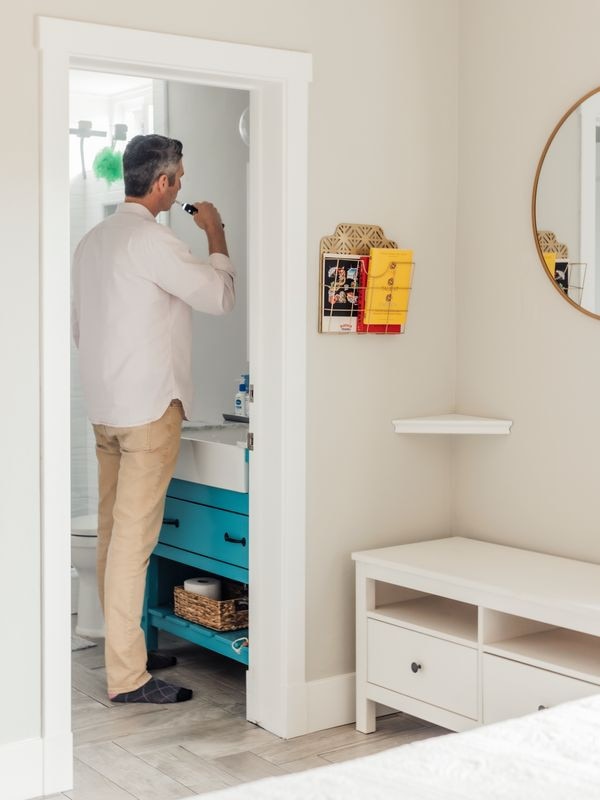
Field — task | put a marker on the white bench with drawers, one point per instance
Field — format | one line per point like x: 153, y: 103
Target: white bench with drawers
x: 461, y: 632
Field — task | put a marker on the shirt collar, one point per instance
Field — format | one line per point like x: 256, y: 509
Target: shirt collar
x: 135, y: 208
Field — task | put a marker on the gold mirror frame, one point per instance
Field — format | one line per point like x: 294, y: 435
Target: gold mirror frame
x: 558, y: 126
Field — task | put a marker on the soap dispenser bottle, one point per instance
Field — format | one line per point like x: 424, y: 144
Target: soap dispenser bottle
x: 240, y: 401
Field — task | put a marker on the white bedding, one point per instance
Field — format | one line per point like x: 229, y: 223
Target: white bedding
x: 550, y: 755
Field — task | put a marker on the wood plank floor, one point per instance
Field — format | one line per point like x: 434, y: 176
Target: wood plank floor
x: 154, y: 752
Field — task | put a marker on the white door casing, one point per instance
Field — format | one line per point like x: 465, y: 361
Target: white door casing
x: 277, y: 256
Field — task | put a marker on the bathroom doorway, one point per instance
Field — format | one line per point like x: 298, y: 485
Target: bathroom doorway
x: 106, y: 110
x: 277, y: 82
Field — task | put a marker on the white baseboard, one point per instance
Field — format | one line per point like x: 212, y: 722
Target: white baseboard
x: 34, y: 767
x: 58, y: 763
x: 317, y: 705
x: 22, y: 769
x: 332, y: 702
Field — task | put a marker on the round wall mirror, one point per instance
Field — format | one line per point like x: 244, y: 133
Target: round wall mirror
x: 566, y: 205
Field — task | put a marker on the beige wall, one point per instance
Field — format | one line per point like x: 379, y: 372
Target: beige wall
x: 383, y: 149
x: 524, y: 353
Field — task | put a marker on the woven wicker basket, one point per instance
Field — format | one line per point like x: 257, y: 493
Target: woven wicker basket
x: 229, y: 614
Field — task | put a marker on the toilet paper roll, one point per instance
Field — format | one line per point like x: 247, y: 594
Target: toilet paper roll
x: 209, y: 587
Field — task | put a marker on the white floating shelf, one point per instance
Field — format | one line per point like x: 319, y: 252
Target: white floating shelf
x: 453, y: 424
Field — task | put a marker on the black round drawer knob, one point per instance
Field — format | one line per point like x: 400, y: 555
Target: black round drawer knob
x: 542, y: 708
x: 415, y: 667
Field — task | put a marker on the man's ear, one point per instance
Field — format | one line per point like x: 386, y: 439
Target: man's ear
x: 161, y: 183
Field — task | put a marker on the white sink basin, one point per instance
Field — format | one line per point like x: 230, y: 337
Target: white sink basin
x: 214, y: 455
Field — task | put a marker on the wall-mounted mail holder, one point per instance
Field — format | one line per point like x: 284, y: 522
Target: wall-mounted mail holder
x: 365, y: 281
x: 568, y: 275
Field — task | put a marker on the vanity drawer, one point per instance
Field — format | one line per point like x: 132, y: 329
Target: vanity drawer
x: 423, y: 667
x: 512, y: 689
x: 207, y: 531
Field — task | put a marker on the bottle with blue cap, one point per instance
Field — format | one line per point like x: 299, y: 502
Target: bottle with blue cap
x: 240, y: 406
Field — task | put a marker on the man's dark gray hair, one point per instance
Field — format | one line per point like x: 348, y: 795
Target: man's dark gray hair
x: 146, y: 158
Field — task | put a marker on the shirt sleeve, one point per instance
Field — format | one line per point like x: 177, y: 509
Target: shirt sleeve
x: 207, y: 287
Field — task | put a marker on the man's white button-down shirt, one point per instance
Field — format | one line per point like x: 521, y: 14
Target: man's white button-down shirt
x: 134, y: 287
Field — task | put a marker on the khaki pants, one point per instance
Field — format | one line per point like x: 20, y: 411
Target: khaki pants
x: 135, y: 466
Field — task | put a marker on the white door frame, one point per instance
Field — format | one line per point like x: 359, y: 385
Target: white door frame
x: 278, y: 84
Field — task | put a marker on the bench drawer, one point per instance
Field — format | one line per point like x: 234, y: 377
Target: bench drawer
x: 207, y: 531
x: 512, y: 689
x: 424, y: 667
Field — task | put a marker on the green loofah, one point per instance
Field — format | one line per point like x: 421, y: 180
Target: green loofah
x: 108, y: 165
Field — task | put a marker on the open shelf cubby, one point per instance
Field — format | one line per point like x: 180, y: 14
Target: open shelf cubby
x: 567, y: 651
x: 428, y: 613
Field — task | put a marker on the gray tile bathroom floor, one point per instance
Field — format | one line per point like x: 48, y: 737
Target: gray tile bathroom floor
x: 167, y: 752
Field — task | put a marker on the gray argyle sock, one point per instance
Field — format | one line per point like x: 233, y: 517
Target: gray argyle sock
x: 155, y: 691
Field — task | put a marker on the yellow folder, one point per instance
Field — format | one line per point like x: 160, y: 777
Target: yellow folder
x: 388, y: 286
x: 550, y: 259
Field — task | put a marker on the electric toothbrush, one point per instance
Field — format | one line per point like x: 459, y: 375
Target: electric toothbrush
x: 190, y: 209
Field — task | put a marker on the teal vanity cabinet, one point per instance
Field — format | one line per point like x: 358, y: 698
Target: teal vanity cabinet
x: 205, y: 530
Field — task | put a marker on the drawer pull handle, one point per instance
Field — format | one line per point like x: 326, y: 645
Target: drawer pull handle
x: 542, y: 708
x: 169, y: 521
x: 415, y: 667
x: 230, y: 539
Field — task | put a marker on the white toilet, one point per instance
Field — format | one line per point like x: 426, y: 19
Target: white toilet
x: 84, y: 539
